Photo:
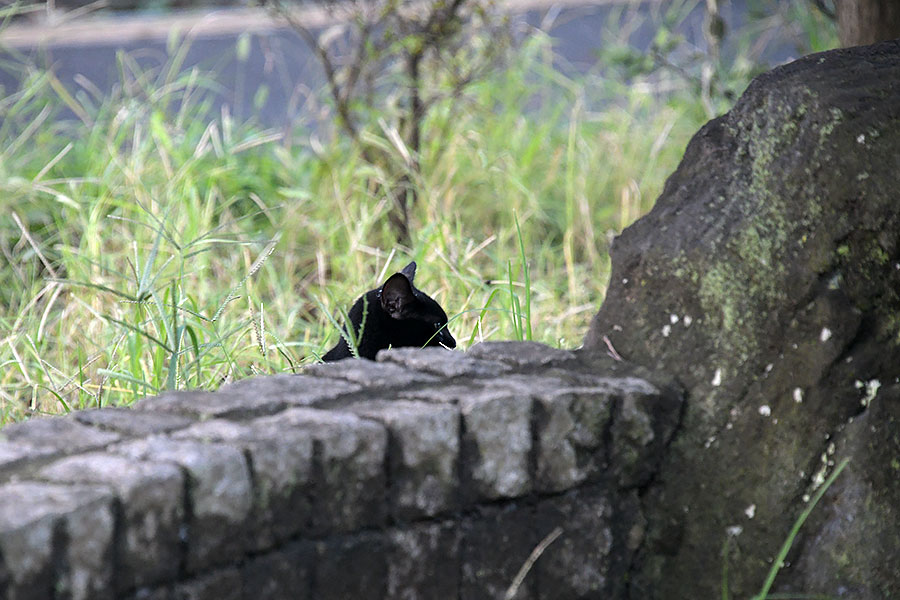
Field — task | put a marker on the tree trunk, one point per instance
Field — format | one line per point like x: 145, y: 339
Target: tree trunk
x: 862, y: 22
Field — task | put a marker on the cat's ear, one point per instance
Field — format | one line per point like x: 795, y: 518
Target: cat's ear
x: 397, y: 294
x: 410, y: 271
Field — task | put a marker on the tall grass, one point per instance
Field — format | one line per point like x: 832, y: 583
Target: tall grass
x: 147, y: 246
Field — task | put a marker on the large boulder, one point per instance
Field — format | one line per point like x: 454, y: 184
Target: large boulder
x: 766, y: 280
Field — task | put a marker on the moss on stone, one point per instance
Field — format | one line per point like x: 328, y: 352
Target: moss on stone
x: 778, y: 233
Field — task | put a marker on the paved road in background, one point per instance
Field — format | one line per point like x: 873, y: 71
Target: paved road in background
x: 85, y: 51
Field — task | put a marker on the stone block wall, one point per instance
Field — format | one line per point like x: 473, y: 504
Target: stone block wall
x: 427, y: 474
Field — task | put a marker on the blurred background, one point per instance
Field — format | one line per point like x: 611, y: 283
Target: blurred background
x: 193, y: 192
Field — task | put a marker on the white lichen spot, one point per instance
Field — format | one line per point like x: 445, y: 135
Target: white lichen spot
x: 709, y: 441
x: 818, y: 477
x: 673, y: 319
x: 805, y: 498
x: 765, y: 410
x: 688, y: 319
x: 617, y: 328
x: 858, y: 384
x: 871, y: 391
x: 830, y: 450
x: 769, y: 367
x: 861, y: 138
x: 750, y: 511
x: 798, y: 395
x: 862, y: 176
x: 625, y: 281
x: 734, y: 530
x: 825, y: 335
x: 666, y: 330
x: 717, y: 378
x: 729, y: 425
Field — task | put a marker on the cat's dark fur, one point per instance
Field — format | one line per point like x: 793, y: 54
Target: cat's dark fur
x: 398, y: 315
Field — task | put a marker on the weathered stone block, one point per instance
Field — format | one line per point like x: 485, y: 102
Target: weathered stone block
x: 284, y: 574
x: 423, y: 562
x: 221, y: 584
x: 439, y: 394
x: 495, y: 544
x: 281, y: 460
x: 351, y: 567
x: 152, y: 502
x: 445, y: 363
x: 369, y: 373
x: 208, y: 405
x: 570, y: 427
x: 423, y: 451
x: 350, y: 461
x: 643, y: 423
x: 496, y: 443
x: 576, y: 564
x: 56, y: 541
x: 219, y: 489
x: 131, y: 422
x: 520, y: 354
x: 158, y: 593
x: 292, y: 390
x: 526, y: 384
x: 59, y: 434
x: 13, y: 455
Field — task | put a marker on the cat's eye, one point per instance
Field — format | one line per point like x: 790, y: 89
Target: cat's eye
x: 438, y: 326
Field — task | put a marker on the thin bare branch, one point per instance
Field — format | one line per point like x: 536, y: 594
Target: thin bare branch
x: 331, y: 75
x: 425, y: 42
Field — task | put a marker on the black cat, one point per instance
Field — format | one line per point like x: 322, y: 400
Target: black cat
x: 397, y: 314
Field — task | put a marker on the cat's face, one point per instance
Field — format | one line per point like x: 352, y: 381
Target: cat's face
x: 421, y: 320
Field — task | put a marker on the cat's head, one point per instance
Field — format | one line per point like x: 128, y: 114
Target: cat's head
x: 424, y: 321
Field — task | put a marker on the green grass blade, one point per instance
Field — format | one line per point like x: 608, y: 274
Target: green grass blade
x: 138, y: 331
x: 515, y: 316
x: 350, y: 336
x: 195, y: 346
x: 725, y: 549
x: 145, y: 281
x: 128, y: 378
x: 102, y: 288
x: 786, y: 547
x: 524, y: 257
x: 481, y: 314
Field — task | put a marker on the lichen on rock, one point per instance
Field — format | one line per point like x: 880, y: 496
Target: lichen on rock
x: 781, y: 222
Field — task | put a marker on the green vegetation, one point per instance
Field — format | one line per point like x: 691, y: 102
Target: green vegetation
x: 147, y: 246
x: 778, y: 563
